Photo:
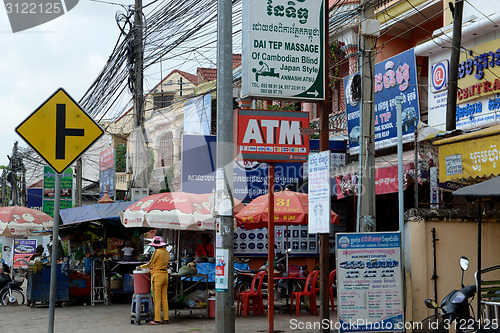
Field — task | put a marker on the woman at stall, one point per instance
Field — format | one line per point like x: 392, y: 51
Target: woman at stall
x: 159, y: 279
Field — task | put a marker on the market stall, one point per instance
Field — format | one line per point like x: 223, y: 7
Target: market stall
x: 187, y: 214
x: 96, y: 237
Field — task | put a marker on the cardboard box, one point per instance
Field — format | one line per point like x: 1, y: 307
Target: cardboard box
x: 116, y: 284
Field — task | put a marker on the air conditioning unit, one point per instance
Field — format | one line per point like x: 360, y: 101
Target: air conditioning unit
x: 139, y: 193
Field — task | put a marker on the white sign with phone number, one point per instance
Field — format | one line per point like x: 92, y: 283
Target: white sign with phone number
x: 370, y: 295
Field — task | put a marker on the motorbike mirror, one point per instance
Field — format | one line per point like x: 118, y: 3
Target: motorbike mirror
x: 431, y: 304
x: 464, y: 263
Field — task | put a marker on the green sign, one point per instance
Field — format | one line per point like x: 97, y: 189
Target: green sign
x: 49, y: 185
x: 283, y: 49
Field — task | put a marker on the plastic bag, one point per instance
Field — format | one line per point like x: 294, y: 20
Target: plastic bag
x: 196, y: 299
x: 187, y: 270
x: 293, y: 271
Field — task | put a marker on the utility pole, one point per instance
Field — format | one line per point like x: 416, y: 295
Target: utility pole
x: 366, y: 188
x: 324, y: 238
x: 139, y: 179
x: 225, y: 312
x: 78, y: 192
x: 451, y: 108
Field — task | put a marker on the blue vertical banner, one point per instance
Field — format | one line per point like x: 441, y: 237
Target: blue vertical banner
x: 107, y: 172
x: 396, y: 76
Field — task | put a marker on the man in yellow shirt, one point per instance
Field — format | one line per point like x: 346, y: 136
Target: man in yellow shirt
x: 159, y: 279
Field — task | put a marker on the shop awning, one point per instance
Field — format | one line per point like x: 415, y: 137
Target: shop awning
x: 96, y: 212
x: 470, y: 155
x: 386, y: 175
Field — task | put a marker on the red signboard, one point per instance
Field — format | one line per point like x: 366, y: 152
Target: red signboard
x: 272, y: 136
x: 106, y: 159
x: 386, y: 180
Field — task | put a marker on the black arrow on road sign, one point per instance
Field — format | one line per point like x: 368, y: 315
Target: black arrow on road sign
x: 62, y: 132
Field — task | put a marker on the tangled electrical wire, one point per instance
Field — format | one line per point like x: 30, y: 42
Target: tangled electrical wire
x: 183, y: 26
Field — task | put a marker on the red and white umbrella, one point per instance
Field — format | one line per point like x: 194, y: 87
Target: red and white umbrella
x: 174, y: 210
x: 23, y: 221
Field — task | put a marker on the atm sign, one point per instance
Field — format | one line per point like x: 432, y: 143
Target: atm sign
x: 272, y: 136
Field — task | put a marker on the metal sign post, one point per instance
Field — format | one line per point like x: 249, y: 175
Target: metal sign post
x: 54, y: 254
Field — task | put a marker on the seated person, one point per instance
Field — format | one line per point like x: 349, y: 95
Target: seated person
x: 38, y: 253
x: 128, y: 251
x: 205, y: 249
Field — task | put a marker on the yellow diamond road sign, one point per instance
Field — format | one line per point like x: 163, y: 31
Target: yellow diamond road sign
x: 59, y: 130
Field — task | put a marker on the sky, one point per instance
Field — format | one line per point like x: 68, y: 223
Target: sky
x: 67, y: 52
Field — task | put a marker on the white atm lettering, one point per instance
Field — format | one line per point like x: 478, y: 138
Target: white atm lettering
x: 289, y: 132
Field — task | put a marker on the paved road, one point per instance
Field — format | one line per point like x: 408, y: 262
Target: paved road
x: 115, y: 318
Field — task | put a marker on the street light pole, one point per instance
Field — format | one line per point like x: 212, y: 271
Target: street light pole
x: 366, y: 188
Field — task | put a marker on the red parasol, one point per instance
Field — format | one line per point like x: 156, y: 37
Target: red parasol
x: 290, y: 208
x: 23, y: 221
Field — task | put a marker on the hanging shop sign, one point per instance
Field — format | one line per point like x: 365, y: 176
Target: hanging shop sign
x: 478, y: 101
x: 396, y: 76
x: 370, y: 292
x: 107, y: 172
x: 272, y: 136
x: 283, y: 49
x: 319, y: 191
x: 471, y: 155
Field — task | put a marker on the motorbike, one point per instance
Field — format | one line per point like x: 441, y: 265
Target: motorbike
x: 11, y: 292
x: 455, y: 311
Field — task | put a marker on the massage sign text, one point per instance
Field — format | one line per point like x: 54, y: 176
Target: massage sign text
x: 283, y: 51
x: 272, y: 136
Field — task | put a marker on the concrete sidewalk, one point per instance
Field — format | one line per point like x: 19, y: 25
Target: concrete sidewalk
x: 115, y: 318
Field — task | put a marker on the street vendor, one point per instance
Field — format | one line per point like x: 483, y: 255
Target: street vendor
x: 159, y: 279
x: 205, y: 249
x: 60, y: 250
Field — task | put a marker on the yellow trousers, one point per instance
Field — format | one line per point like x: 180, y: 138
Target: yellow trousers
x: 159, y: 283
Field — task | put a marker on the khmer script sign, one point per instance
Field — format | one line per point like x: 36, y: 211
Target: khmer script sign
x: 283, y: 49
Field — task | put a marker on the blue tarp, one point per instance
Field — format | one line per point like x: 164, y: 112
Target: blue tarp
x: 97, y: 212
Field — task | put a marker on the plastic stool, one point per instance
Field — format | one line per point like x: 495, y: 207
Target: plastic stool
x: 142, y: 308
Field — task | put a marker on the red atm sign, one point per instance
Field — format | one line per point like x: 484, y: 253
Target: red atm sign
x: 272, y: 136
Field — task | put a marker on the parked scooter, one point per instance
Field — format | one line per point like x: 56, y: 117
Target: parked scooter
x: 455, y: 310
x: 11, y: 292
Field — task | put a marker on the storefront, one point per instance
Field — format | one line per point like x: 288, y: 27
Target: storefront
x: 470, y: 156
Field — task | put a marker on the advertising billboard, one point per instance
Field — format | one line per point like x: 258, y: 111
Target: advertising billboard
x: 369, y: 292
x: 396, y: 76
x: 107, y: 172
x: 49, y: 186
x: 283, y: 49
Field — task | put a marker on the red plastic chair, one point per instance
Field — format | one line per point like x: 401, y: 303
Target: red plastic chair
x: 254, y: 294
x: 331, y: 280
x: 310, y: 291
